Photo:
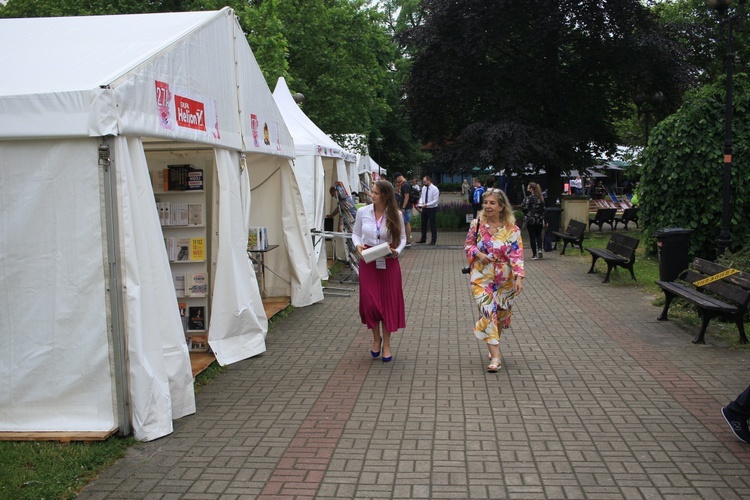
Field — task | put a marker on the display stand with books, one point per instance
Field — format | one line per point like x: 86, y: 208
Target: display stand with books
x: 181, y: 202
x: 347, y: 218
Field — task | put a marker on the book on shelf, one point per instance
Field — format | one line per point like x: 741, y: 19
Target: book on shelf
x: 198, y: 342
x: 195, y: 214
x: 257, y: 239
x: 160, y: 180
x: 179, y: 284
x: 184, y: 178
x: 196, y: 285
x: 195, y: 179
x: 197, y: 318
x: 198, y: 249
x: 183, y: 314
x: 178, y: 249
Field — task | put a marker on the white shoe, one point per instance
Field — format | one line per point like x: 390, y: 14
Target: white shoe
x: 540, y: 255
x: 535, y: 257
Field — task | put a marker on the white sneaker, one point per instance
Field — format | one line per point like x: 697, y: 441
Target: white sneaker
x: 535, y: 257
x: 540, y: 255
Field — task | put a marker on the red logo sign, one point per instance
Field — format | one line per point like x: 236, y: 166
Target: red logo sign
x: 190, y: 113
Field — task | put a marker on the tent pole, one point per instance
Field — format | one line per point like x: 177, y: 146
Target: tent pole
x: 119, y: 346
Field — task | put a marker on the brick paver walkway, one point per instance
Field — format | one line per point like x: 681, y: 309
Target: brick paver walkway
x: 596, y: 399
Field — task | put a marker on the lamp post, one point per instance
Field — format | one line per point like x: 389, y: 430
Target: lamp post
x: 721, y: 7
x: 647, y: 105
x: 299, y: 98
x: 379, y: 142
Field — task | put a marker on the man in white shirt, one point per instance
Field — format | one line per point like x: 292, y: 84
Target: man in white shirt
x: 428, y: 204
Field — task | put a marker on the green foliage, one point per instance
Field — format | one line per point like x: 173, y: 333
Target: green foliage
x: 681, y: 178
x: 736, y: 260
x: 33, y: 470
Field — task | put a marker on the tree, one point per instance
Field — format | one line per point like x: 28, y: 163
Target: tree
x: 511, y: 83
x: 681, y: 177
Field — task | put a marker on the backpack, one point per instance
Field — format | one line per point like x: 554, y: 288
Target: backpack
x: 415, y: 194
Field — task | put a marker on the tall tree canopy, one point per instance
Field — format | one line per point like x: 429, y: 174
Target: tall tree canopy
x: 511, y: 83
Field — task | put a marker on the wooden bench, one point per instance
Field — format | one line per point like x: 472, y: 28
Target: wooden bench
x: 628, y: 215
x: 573, y: 234
x: 729, y: 297
x: 620, y: 251
x: 604, y: 216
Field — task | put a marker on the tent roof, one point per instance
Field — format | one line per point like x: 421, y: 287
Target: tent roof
x: 100, y: 75
x: 309, y: 140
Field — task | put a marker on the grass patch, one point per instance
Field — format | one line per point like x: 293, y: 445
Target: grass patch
x: 646, y: 270
x: 33, y: 470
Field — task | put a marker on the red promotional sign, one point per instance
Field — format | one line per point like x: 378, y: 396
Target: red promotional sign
x: 190, y: 113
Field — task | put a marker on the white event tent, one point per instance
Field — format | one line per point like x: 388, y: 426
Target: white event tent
x: 319, y: 163
x: 93, y: 340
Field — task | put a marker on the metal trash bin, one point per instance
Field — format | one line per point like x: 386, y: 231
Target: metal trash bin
x: 672, y: 245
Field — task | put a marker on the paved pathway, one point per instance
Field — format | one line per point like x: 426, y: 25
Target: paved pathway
x: 596, y: 400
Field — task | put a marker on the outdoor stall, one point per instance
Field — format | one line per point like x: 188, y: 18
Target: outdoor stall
x: 98, y: 113
x: 319, y: 163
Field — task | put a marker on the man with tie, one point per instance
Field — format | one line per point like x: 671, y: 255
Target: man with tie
x: 428, y: 203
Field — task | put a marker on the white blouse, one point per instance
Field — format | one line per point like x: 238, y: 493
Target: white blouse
x: 365, y: 230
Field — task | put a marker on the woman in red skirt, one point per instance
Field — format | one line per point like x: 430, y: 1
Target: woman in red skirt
x: 381, y: 295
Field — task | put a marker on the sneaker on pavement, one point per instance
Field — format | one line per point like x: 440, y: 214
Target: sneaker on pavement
x: 408, y: 245
x: 738, y: 423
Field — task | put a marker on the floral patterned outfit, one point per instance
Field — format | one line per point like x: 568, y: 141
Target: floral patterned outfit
x: 492, y: 284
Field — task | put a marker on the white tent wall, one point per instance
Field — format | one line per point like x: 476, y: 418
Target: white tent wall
x: 161, y: 380
x: 238, y: 323
x: 55, y: 362
x: 291, y: 268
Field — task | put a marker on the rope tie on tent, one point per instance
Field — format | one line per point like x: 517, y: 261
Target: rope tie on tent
x: 265, y: 180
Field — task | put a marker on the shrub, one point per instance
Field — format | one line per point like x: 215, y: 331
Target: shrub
x: 681, y: 178
x: 449, y: 216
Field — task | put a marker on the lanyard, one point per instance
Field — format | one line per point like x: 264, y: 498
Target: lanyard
x: 378, y: 223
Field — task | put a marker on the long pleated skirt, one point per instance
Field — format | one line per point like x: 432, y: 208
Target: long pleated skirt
x: 381, y: 295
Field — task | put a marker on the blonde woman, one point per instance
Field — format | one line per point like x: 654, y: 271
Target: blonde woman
x: 495, y: 253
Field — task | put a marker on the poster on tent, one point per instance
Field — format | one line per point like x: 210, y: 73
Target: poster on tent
x: 265, y: 133
x: 184, y: 109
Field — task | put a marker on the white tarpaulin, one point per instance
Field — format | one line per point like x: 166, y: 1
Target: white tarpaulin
x: 179, y: 78
x: 319, y: 163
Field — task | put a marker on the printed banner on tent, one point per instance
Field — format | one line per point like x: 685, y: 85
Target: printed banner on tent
x: 186, y: 109
x: 271, y: 138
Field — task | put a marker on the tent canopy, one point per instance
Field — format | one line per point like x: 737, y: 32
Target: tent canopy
x: 152, y: 75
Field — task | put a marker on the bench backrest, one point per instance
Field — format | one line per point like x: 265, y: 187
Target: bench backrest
x: 605, y: 214
x: 629, y: 213
x: 623, y: 245
x: 735, y: 288
x: 576, y: 228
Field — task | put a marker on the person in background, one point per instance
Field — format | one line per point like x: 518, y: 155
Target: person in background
x: 341, y: 199
x: 494, y: 250
x: 381, y: 296
x: 737, y: 414
x: 534, y: 211
x: 465, y: 190
x: 428, y: 203
x: 405, y: 203
x: 476, y: 196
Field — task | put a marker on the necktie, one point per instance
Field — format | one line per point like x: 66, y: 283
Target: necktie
x: 426, y: 195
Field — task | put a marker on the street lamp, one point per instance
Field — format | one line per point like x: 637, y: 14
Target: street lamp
x: 721, y: 6
x: 299, y: 98
x: 647, y: 105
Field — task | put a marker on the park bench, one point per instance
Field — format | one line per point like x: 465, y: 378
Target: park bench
x: 628, y: 215
x: 727, y: 297
x: 573, y: 234
x: 620, y: 251
x: 604, y: 216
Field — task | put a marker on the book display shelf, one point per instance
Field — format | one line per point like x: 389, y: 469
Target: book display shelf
x: 181, y: 196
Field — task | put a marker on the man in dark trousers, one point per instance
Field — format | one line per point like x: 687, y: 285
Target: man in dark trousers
x: 737, y: 414
x: 428, y: 204
x: 476, y: 196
